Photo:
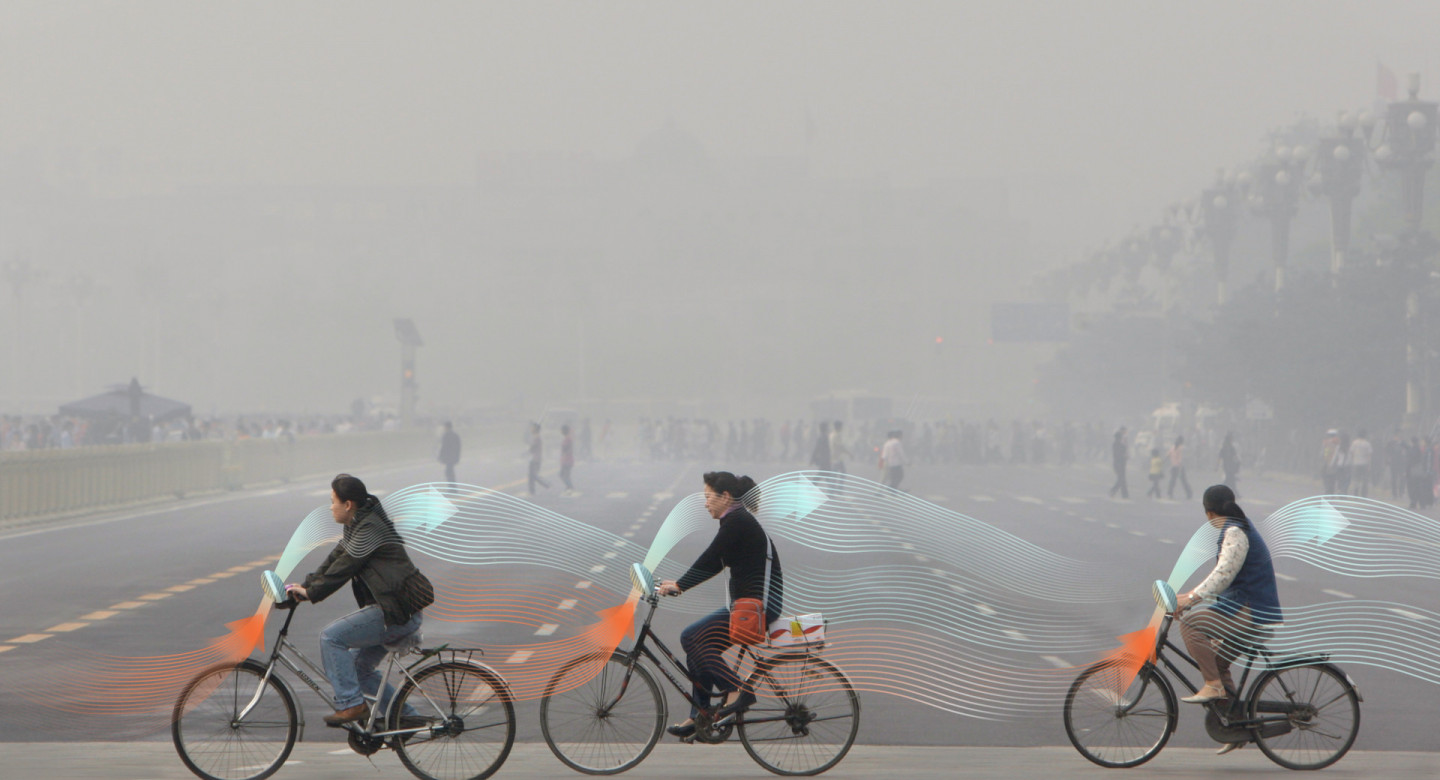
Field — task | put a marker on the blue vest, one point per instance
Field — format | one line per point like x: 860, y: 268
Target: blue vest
x: 1254, y: 585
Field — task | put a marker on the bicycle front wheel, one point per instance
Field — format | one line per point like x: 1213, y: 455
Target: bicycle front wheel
x: 469, y: 717
x: 1321, y: 712
x: 805, y: 716
x: 1119, y: 723
x: 602, y: 716
x: 212, y: 738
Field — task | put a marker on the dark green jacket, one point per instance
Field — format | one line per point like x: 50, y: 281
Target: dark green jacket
x: 371, y: 557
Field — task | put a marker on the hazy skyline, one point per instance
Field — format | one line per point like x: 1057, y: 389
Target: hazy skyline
x: 1085, y: 119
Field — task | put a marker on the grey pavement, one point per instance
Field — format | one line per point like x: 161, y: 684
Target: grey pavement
x: 323, y: 761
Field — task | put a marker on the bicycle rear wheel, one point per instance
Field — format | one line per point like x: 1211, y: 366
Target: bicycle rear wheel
x: 212, y: 739
x: 1119, y: 728
x: 471, y: 722
x: 1322, y: 715
x: 585, y: 735
x: 804, y: 719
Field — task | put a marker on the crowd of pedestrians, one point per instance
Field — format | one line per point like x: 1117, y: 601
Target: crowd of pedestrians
x: 19, y: 433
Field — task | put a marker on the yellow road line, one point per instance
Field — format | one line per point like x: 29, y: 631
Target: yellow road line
x: 63, y: 627
x: 180, y: 588
x: 238, y: 569
x: 29, y: 638
x: 100, y: 615
x: 127, y: 605
x: 220, y: 575
x: 6, y: 648
x: 200, y: 581
x: 155, y: 596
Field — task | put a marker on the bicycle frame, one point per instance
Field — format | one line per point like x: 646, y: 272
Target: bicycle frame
x: 1233, y: 715
x: 641, y: 650
x: 286, y: 654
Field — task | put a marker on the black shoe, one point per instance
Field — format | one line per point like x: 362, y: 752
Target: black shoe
x: 416, y: 722
x: 681, y: 730
x: 741, y: 704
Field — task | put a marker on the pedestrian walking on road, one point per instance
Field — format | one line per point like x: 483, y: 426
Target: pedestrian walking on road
x: 820, y: 456
x: 567, y: 458
x: 892, y: 459
x: 839, y: 453
x: 537, y: 452
x: 1157, y: 473
x: 1119, y: 454
x: 449, y: 451
x: 1230, y: 462
x: 1177, y: 468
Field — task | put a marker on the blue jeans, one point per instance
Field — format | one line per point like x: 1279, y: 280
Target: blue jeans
x: 703, y: 642
x: 352, y: 647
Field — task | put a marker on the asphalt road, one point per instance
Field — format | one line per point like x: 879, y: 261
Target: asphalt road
x: 165, y: 580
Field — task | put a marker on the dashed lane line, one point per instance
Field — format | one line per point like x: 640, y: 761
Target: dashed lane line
x: 6, y: 648
x: 220, y: 575
x: 127, y: 605
x: 200, y: 581
x: 180, y: 588
x: 619, y: 543
x: 982, y: 499
x: 1405, y: 613
x: 155, y: 596
x: 583, y: 585
x: 65, y: 627
x: 610, y: 554
x: 519, y: 656
x: 1029, y: 500
x: 985, y: 609
x: 1339, y: 594
x: 1286, y: 577
x: 567, y: 604
x: 1137, y: 533
x: 1013, y: 634
x: 29, y: 639
x: 238, y: 569
x: 100, y: 614
x: 1072, y: 500
x: 597, y: 568
x: 1055, y: 661
x: 547, y: 629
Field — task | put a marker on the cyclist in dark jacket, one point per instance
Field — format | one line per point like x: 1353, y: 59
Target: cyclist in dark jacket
x: 741, y: 546
x: 389, y: 591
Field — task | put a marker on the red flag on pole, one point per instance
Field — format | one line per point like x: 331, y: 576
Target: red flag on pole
x: 1386, y: 85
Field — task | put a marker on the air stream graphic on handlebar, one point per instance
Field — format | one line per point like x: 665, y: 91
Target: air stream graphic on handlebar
x: 1302, y: 712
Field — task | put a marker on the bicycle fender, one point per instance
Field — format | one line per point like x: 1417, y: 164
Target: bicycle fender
x: 1303, y: 659
x: 299, y: 711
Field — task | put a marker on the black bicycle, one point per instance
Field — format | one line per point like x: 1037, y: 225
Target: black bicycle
x: 1302, y: 711
x: 603, y: 714
x: 240, y: 721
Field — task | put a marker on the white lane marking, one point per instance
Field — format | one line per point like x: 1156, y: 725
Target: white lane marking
x: 1029, y: 499
x: 957, y: 588
x: 620, y: 543
x: 596, y: 569
x: 1405, y: 613
x: 1112, y: 525
x: 1072, y: 500
x: 582, y: 585
x: 1013, y: 634
x: 628, y: 534
x: 985, y: 609
x: 345, y: 752
x: 1167, y: 541
x: 1137, y: 533
x: 567, y: 604
x: 662, y: 496
x: 318, y: 493
x: 1089, y: 519
x: 1339, y: 594
x: 610, y: 554
x: 635, y: 527
x: 547, y: 629
x: 519, y: 656
x: 981, y: 498
x: 617, y: 494
x: 905, y: 545
x: 1055, y: 661
x: 1286, y: 577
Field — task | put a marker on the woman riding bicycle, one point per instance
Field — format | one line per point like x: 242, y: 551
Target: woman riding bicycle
x: 1246, y: 598
x: 388, y: 588
x: 742, y: 546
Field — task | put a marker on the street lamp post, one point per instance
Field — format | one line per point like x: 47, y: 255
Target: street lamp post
x: 1338, y: 160
x: 1409, y: 139
x: 20, y: 274
x: 409, y: 338
x: 1218, y: 210
x: 1275, y: 195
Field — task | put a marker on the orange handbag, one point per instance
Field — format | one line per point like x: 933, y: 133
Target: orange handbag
x: 747, y: 622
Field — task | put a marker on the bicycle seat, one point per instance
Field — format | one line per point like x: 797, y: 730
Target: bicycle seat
x: 404, y: 644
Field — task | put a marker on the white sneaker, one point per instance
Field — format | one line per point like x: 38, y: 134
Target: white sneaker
x: 1229, y: 747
